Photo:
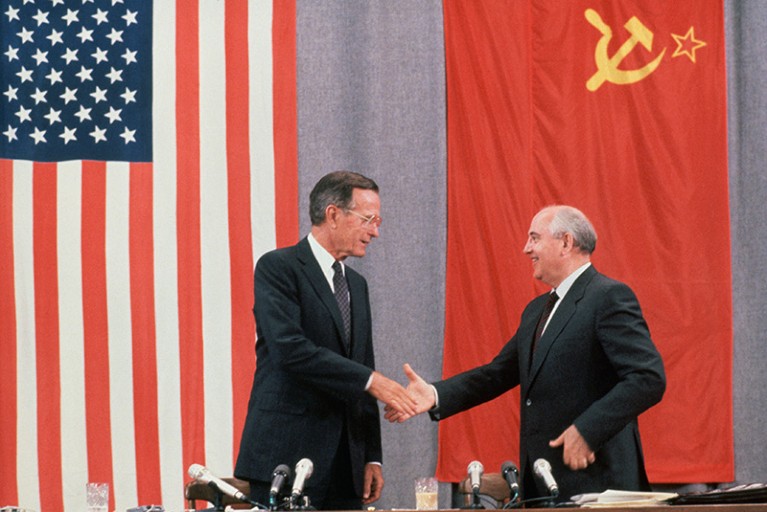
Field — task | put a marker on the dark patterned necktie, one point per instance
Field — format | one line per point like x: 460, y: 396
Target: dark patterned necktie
x: 342, y: 297
x: 553, y: 298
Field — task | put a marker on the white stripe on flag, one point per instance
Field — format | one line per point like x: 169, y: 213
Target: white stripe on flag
x: 74, y: 450
x: 214, y: 227
x: 23, y: 256
x: 261, y: 126
x: 120, y: 339
x: 169, y: 373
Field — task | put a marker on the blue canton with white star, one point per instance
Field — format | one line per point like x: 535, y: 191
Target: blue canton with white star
x: 75, y: 80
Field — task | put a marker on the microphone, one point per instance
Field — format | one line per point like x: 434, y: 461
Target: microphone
x: 280, y: 476
x: 542, y: 470
x: 304, y: 469
x: 204, y: 475
x: 511, y: 474
x: 475, y: 475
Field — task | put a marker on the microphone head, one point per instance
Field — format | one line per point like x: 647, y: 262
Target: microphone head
x: 283, y: 469
x: 280, y: 478
x: 475, y: 466
x: 305, y: 465
x: 541, y: 465
x: 304, y: 469
x: 196, y: 471
x: 509, y: 466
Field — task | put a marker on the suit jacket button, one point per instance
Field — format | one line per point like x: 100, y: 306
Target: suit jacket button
x: 528, y: 402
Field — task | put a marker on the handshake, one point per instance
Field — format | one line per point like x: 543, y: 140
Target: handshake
x: 420, y: 396
x: 403, y: 403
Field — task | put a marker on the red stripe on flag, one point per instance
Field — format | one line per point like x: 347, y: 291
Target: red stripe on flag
x: 188, y: 232
x: 47, y: 336
x: 96, y: 323
x: 8, y: 405
x: 285, y: 122
x: 240, y: 239
x: 145, y: 401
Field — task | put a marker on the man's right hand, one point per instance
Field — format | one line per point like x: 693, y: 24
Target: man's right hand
x: 418, y: 389
x: 392, y: 394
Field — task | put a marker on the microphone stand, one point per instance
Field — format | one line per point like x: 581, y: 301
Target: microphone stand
x: 218, y: 496
x: 300, y: 502
x: 476, y: 503
x: 273, y: 501
x: 542, y: 502
x: 513, y: 499
x: 279, y: 501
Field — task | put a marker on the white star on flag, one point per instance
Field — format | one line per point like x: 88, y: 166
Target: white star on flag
x: 68, y: 135
x: 38, y: 135
x: 128, y: 135
x: 98, y: 134
x: 10, y: 133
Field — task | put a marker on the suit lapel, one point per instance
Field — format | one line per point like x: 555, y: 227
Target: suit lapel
x: 558, y: 321
x: 314, y: 274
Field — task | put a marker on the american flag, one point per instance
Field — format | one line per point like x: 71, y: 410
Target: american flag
x: 147, y: 158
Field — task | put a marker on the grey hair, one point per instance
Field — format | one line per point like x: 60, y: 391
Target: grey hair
x: 336, y: 188
x: 571, y: 220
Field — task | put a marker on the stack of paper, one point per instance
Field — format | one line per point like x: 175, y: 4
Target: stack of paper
x: 613, y: 498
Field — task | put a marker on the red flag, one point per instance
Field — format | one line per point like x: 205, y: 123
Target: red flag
x: 128, y: 249
x: 617, y: 108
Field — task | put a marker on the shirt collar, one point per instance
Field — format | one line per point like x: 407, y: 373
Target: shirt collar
x: 565, y: 285
x: 324, y: 258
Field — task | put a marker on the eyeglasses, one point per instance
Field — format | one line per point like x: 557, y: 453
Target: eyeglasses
x: 372, y: 220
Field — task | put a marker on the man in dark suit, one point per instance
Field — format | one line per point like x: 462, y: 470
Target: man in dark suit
x: 315, y: 386
x: 585, y: 371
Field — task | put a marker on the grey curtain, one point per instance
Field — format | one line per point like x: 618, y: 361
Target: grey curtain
x: 746, y: 31
x: 371, y: 98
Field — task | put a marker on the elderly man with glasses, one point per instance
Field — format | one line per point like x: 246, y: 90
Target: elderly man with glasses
x: 315, y: 388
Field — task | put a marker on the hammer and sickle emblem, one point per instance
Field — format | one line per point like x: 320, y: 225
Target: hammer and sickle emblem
x: 607, y: 67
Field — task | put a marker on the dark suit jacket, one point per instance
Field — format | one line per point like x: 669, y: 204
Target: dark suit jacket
x: 306, y: 385
x: 595, y: 366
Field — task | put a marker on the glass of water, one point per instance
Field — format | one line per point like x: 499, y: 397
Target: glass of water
x: 97, y: 497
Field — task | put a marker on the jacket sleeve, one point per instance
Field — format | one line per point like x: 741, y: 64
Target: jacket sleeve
x: 478, y: 385
x: 625, y: 339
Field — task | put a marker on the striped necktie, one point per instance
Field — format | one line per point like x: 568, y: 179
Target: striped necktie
x: 342, y: 297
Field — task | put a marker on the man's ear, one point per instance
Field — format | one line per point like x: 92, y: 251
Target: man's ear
x: 331, y: 215
x: 568, y: 243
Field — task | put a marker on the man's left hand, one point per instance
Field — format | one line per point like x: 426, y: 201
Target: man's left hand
x: 577, y: 453
x: 374, y: 483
